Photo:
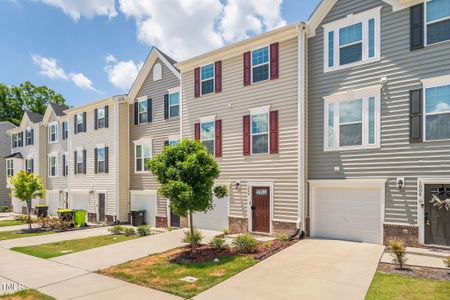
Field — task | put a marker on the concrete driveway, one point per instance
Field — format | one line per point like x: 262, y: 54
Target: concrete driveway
x: 311, y: 269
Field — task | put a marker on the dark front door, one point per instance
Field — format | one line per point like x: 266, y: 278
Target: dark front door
x: 174, y: 219
x: 261, y: 209
x: 437, y: 221
x: 101, y: 207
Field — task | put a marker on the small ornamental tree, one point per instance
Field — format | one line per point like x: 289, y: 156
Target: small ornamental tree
x: 186, y: 173
x: 27, y: 186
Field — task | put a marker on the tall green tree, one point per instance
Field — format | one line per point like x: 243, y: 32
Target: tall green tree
x: 15, y: 99
x: 186, y: 173
x: 26, y: 187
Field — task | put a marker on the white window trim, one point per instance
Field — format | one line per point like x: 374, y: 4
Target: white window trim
x: 364, y: 94
x: 79, y: 150
x: 50, y: 126
x: 140, y: 100
x: 252, y: 66
x: 51, y: 155
x: 158, y: 75
x: 351, y: 19
x: 65, y: 128
x: 173, y: 138
x: 82, y: 119
x: 432, y: 83
x: 98, y: 147
x: 260, y: 111
x: 104, y: 116
x: 28, y: 129
x: 9, y: 167
x: 426, y: 23
x: 213, y: 78
x: 209, y: 119
x: 142, y: 142
x: 29, y: 158
x: 170, y: 92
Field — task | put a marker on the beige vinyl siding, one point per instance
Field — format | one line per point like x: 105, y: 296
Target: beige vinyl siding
x: 5, y: 150
x: 158, y: 130
x: 282, y: 95
x: 60, y: 147
x: 123, y: 163
x: 397, y: 157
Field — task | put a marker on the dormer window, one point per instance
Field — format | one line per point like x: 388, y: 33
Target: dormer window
x: 52, y: 132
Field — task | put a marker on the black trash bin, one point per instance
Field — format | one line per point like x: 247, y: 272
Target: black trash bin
x: 137, y: 217
x: 41, y: 211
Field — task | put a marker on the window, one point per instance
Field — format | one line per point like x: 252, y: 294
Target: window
x: 142, y: 110
x: 29, y: 165
x: 437, y: 24
x: 80, y: 162
x: 65, y: 164
x: 437, y: 112
x: 29, y: 136
x: 9, y: 167
x: 101, y: 117
x: 352, y: 41
x: 260, y: 64
x: 52, y: 132
x: 207, y: 135
x: 207, y: 79
x: 52, y: 165
x: 17, y: 139
x: 352, y: 120
x: 174, y: 104
x: 80, y: 122
x: 101, y: 160
x: 260, y: 133
x: 65, y: 129
x: 143, y: 153
x: 157, y: 72
x: 173, y: 140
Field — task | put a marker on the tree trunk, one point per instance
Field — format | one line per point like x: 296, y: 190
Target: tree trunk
x: 29, y: 213
x: 193, y: 243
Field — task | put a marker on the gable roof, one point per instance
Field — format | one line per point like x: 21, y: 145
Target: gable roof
x: 56, y: 108
x: 15, y: 155
x: 34, y: 117
x: 145, y: 70
x: 325, y: 6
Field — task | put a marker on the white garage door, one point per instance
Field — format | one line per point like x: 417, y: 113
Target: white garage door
x: 347, y: 213
x: 80, y: 201
x: 145, y: 200
x: 216, y: 219
x: 52, y: 202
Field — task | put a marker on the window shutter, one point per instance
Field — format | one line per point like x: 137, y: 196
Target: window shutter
x: 166, y: 106
x: 84, y: 161
x: 63, y: 125
x: 274, y: 132
x: 149, y: 110
x: 96, y: 119
x: 416, y: 116
x: 106, y: 116
x: 106, y: 159
x: 63, y: 164
x: 218, y: 76
x: 166, y: 143
x: 136, y: 113
x: 21, y: 139
x: 197, y: 131
x: 84, y: 122
x: 75, y: 162
x: 417, y: 26
x: 32, y: 136
x: 218, y: 137
x: 197, y: 82
x: 75, y: 124
x: 247, y: 68
x: 96, y: 160
x: 246, y: 135
x: 32, y: 166
x: 274, y: 58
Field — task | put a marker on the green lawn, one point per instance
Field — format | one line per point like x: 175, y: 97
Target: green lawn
x: 156, y: 272
x: 57, y: 249
x: 10, y: 223
x: 397, y: 287
x: 15, y: 234
x: 27, y: 295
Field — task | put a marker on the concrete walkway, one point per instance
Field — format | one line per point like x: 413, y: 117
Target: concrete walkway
x: 421, y: 257
x: 16, y: 227
x: 311, y: 269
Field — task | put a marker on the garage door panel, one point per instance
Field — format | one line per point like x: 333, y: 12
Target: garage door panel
x: 216, y: 219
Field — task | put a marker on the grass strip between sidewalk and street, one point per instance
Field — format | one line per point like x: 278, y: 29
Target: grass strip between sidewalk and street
x: 27, y: 295
x: 5, y: 223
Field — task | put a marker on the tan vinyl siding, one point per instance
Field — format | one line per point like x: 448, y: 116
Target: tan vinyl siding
x: 60, y: 147
x: 158, y: 130
x: 230, y: 106
x: 5, y: 150
x: 397, y: 157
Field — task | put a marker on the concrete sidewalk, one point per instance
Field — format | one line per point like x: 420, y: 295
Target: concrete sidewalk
x: 421, y: 257
x: 17, y: 227
x: 95, y: 259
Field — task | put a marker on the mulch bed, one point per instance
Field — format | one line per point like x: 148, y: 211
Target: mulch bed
x: 416, y: 272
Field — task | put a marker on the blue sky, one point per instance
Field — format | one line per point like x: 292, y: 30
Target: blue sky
x: 87, y: 50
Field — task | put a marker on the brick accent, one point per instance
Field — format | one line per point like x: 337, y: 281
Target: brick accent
x: 283, y: 228
x: 92, y: 217
x: 406, y: 233
x: 237, y: 225
x: 184, y: 222
x: 110, y: 219
x: 161, y: 221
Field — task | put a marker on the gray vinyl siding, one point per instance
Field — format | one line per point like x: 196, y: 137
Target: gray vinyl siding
x: 5, y: 150
x: 60, y: 147
x: 158, y: 130
x: 282, y: 94
x: 397, y: 157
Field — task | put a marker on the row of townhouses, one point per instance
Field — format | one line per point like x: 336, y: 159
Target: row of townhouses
x: 339, y: 127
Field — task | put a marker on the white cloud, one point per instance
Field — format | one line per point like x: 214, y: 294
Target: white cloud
x: 49, y: 67
x: 87, y: 8
x: 122, y: 74
x: 184, y: 28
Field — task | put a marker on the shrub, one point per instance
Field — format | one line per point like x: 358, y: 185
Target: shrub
x: 44, y: 222
x: 116, y: 229
x: 129, y: 231
x: 398, y: 252
x: 226, y: 232
x: 195, y: 238
x: 144, y: 230
x: 57, y: 224
x: 217, y: 243
x: 4, y: 208
x: 283, y: 238
x: 220, y: 191
x: 245, y: 243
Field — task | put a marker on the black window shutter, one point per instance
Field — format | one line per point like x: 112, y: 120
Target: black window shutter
x: 21, y: 139
x: 63, y: 164
x: 136, y: 113
x: 96, y: 119
x: 417, y: 26
x: 166, y: 106
x: 96, y: 160
x: 75, y: 162
x: 149, y: 110
x: 106, y: 116
x: 32, y: 136
x: 416, y: 116
x: 75, y: 129
x: 84, y: 122
x: 63, y: 135
x: 32, y: 165
x: 106, y: 159
x: 84, y: 161
x: 166, y: 143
